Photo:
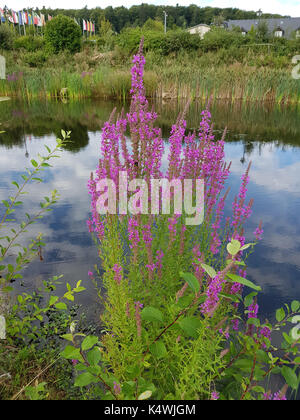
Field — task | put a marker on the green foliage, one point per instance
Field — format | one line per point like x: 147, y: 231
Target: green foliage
x: 170, y: 350
x: 263, y: 32
x: 35, y: 59
x: 153, y: 25
x: 218, y: 38
x: 12, y: 234
x: 6, y: 37
x: 29, y: 43
x: 62, y: 33
x: 34, y: 321
x: 154, y: 40
x: 37, y: 392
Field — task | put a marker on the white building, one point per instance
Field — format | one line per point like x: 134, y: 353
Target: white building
x: 201, y: 29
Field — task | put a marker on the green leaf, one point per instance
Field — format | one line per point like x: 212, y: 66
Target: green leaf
x: 290, y: 377
x: 53, y: 300
x: 6, y: 203
x: 152, y: 314
x: 253, y: 321
x: 258, y: 389
x: 246, y: 246
x: 61, y: 306
x: 145, y: 395
x: 10, y: 268
x: 237, y: 279
x: 234, y: 298
x: 209, y: 270
x: 280, y: 314
x: 295, y: 305
x: 94, y: 356
x: 85, y: 379
x: 34, y: 163
x: 190, y: 326
x: 89, y: 342
x: 263, y: 356
x: 191, y: 280
x: 16, y: 184
x: 68, y: 337
x: 158, y: 349
x: 233, y: 247
x: 249, y: 299
x: 71, y: 352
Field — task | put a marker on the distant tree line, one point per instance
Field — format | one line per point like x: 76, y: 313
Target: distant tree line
x: 178, y: 16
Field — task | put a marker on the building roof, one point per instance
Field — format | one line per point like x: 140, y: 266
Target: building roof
x: 198, y: 26
x: 288, y: 25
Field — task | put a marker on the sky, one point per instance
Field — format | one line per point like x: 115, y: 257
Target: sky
x: 284, y: 7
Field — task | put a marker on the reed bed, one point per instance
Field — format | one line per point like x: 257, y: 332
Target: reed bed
x: 171, y: 81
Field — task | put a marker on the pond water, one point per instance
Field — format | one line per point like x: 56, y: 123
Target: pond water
x: 268, y: 136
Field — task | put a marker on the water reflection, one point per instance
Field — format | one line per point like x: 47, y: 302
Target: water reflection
x: 269, y: 138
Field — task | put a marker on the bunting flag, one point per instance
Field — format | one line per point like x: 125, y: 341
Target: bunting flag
x: 20, y: 17
x: 9, y: 18
x: 2, y: 15
x: 35, y: 19
x: 15, y: 17
x: 25, y: 17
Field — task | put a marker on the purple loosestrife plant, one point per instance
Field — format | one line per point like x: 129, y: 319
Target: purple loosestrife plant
x: 171, y: 287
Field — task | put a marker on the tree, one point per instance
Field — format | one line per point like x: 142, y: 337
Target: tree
x: 153, y: 25
x: 105, y: 27
x: 218, y: 20
x: 62, y: 33
x: 6, y: 37
x: 263, y: 31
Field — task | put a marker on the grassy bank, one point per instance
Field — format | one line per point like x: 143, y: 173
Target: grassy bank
x: 237, y: 73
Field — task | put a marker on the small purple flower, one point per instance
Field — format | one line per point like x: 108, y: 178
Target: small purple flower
x: 253, y: 310
x: 117, y: 388
x: 118, y: 273
x: 258, y: 232
x: 215, y: 396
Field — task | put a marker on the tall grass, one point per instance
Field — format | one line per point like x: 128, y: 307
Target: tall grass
x: 234, y: 82
x: 169, y: 78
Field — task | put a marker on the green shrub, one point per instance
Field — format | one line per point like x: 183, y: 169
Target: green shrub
x: 172, y: 42
x: 129, y: 39
x: 175, y: 41
x: 35, y: 59
x: 29, y: 43
x: 218, y: 38
x: 6, y: 37
x: 62, y: 33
